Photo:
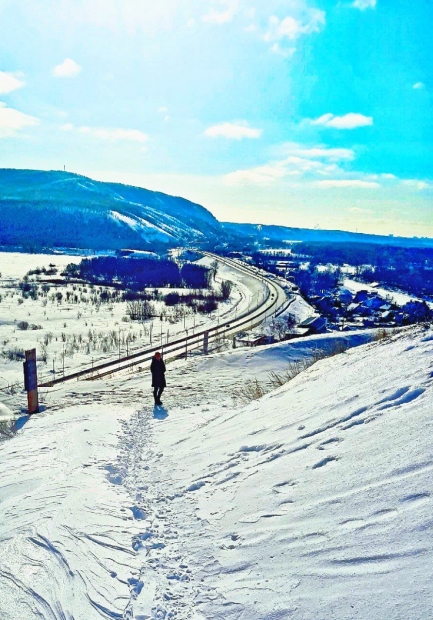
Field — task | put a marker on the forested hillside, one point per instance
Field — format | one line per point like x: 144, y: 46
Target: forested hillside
x: 52, y: 208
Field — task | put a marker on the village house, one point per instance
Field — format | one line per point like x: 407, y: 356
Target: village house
x: 314, y: 324
x: 361, y: 296
x: 254, y: 340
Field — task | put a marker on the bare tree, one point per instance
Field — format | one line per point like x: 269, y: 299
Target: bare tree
x: 214, y: 269
x: 226, y: 289
x: 140, y: 310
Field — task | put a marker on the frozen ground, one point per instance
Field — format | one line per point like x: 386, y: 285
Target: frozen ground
x: 311, y: 503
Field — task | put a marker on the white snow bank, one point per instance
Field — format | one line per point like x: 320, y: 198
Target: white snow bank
x: 317, y: 499
x: 259, y: 361
x: 299, y: 308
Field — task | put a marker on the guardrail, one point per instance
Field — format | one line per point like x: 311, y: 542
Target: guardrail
x: 194, y: 341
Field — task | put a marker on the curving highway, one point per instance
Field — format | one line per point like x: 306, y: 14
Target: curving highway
x: 275, y: 301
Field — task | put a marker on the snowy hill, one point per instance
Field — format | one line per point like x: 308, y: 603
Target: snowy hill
x: 312, y: 503
x: 69, y: 208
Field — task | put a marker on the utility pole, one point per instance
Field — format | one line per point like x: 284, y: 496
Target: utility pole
x: 161, y: 331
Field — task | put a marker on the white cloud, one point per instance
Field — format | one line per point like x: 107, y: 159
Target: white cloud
x: 163, y: 110
x: 115, y: 134
x: 300, y: 162
x: 261, y: 175
x: 9, y: 82
x: 118, y: 16
x: 12, y: 121
x: 416, y: 184
x: 364, y: 4
x: 344, y: 183
x: 351, y: 120
x: 215, y: 17
x: 286, y: 52
x: 233, y: 131
x: 419, y: 85
x: 68, y: 68
x: 317, y: 152
x: 309, y: 21
x: 220, y: 17
x: 110, y: 133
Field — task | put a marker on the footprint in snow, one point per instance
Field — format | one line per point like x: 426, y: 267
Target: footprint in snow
x: 137, y: 513
x: 324, y: 462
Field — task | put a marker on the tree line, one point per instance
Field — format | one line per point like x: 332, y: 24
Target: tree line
x: 136, y: 274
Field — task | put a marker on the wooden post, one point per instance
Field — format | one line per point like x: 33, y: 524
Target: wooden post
x: 206, y: 342
x: 31, y: 381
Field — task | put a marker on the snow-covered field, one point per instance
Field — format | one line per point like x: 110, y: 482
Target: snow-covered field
x: 77, y: 331
x: 16, y: 264
x: 312, y: 503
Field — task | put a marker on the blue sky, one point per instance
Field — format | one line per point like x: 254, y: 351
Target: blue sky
x: 314, y: 113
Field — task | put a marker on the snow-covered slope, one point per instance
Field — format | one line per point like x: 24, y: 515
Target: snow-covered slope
x: 73, y: 210
x: 314, y: 502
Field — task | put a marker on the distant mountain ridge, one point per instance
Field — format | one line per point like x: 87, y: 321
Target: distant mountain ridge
x: 54, y: 208
x: 43, y: 209
x: 268, y: 233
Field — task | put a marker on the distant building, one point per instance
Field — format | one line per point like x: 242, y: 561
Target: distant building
x: 353, y: 308
x: 253, y: 340
x: 386, y: 316
x: 325, y: 304
x: 399, y: 318
x: 344, y: 295
x: 296, y: 332
x: 374, y: 302
x: 361, y: 296
x: 314, y: 324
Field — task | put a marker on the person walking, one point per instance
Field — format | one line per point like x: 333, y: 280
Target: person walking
x: 157, y: 368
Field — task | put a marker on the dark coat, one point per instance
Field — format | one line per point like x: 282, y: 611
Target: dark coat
x: 157, y: 368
